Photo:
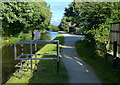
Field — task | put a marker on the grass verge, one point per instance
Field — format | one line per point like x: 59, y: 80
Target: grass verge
x: 46, y: 72
x: 103, y: 69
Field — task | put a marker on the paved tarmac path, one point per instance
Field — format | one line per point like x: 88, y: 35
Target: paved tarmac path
x: 78, y: 70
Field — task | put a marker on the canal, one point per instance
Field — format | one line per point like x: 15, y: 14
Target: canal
x: 8, y: 61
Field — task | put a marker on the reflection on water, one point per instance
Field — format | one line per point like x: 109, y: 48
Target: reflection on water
x: 52, y: 34
x: 8, y: 61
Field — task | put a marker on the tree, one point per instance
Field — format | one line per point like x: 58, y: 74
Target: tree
x: 94, y: 18
x: 64, y: 25
x: 24, y: 16
x: 90, y: 15
x: 53, y: 27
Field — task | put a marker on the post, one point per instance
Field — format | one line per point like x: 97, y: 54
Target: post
x: 35, y: 56
x: 21, y: 69
x: 15, y: 51
x: 33, y: 34
x: 58, y: 58
x: 31, y: 58
x: 27, y: 63
x: 114, y: 53
x: 22, y: 49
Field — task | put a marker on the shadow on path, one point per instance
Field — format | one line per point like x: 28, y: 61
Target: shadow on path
x: 78, y: 70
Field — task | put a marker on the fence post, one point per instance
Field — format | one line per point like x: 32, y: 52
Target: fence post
x: 114, y: 53
x: 58, y: 59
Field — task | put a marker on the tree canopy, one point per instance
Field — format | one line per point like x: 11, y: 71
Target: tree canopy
x: 24, y: 16
x: 90, y: 15
x: 94, y: 19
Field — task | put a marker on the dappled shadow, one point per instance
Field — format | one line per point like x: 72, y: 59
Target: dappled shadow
x: 70, y: 55
x: 9, y: 62
x: 46, y: 70
x: 78, y: 70
x: 70, y: 41
x: 69, y: 47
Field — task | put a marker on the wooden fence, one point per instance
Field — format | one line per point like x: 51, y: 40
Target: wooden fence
x: 115, y: 36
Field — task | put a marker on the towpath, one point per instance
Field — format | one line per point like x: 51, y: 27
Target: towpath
x: 78, y: 70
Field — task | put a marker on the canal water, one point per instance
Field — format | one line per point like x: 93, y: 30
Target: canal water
x: 51, y: 34
x: 8, y: 61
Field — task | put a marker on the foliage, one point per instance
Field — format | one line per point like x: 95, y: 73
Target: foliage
x: 53, y: 27
x: 12, y: 39
x: 92, y: 14
x: 103, y: 68
x: 64, y: 24
x: 24, y: 16
x: 94, y: 19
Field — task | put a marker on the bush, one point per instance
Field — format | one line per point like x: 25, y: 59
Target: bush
x: 100, y: 38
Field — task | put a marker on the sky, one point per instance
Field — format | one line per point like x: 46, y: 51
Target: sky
x: 57, y: 8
